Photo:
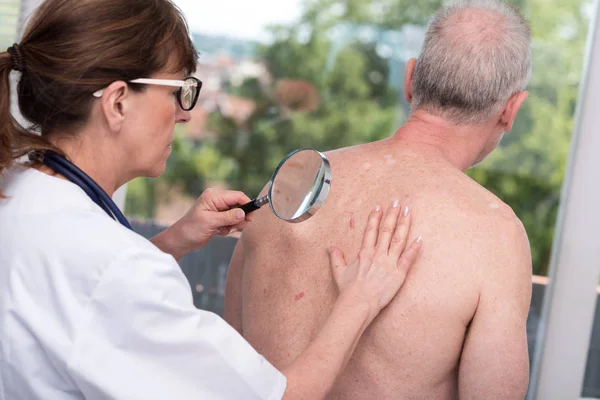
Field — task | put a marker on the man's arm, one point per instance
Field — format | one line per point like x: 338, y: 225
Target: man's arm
x: 233, y: 288
x: 495, y: 362
x: 235, y: 272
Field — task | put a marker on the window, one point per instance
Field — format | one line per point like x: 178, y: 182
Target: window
x: 9, y: 20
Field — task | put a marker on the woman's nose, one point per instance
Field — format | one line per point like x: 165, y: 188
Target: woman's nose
x: 183, y: 116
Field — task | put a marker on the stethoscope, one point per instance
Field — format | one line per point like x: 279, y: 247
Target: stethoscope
x: 66, y: 168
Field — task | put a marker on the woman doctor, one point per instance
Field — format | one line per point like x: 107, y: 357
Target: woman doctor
x: 88, y: 308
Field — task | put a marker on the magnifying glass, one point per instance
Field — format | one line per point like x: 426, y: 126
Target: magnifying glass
x: 298, y: 187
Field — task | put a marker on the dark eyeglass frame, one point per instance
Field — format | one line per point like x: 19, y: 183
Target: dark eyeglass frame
x: 183, y: 84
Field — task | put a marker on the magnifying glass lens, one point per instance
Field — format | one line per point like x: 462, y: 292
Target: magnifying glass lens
x: 297, y: 184
x: 298, y: 187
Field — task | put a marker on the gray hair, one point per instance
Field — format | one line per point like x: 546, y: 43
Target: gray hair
x: 476, y: 55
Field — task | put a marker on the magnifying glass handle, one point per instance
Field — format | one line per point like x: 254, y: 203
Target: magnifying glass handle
x: 255, y: 204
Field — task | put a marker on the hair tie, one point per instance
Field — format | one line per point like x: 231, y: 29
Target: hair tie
x: 17, y: 57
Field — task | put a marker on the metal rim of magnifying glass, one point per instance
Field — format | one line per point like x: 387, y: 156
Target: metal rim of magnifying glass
x: 323, y: 191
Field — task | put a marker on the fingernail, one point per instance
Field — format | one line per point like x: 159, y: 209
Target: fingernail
x: 419, y: 239
x: 377, y: 207
x: 405, y: 212
x: 239, y: 214
x: 395, y: 205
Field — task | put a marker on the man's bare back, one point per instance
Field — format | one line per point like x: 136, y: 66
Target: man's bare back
x: 473, y: 276
x: 458, y: 327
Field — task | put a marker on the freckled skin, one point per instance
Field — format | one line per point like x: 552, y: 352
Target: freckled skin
x: 412, y: 349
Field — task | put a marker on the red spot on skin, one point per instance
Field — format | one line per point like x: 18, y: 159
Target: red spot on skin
x: 299, y: 296
x: 350, y: 216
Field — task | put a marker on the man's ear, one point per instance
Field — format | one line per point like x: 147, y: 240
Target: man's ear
x: 408, y: 79
x: 113, y: 104
x: 507, y: 119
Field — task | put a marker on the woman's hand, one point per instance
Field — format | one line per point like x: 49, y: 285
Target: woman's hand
x: 380, y: 269
x: 212, y: 214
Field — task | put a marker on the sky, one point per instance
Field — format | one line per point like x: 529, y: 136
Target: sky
x: 238, y: 18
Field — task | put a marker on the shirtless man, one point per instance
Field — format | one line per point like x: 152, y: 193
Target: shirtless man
x: 457, y: 329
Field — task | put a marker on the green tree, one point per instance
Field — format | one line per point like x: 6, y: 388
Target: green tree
x: 356, y: 103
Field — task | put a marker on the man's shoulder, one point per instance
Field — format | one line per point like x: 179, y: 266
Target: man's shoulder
x: 499, y: 233
x: 493, y: 217
x: 491, y: 211
x: 478, y: 203
x: 471, y: 213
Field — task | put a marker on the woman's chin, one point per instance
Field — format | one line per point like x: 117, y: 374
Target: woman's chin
x: 157, y: 170
x: 158, y: 167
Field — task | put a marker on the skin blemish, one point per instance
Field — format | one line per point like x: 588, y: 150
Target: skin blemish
x: 299, y: 296
x: 350, y: 217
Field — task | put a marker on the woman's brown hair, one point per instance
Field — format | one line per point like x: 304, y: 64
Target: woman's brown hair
x: 70, y: 49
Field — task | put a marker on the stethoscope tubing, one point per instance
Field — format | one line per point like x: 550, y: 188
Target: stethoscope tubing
x: 64, y: 167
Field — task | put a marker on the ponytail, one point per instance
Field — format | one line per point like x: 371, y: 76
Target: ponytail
x: 15, y: 140
x: 7, y: 123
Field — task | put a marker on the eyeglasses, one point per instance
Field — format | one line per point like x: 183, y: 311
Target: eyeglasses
x: 187, y: 95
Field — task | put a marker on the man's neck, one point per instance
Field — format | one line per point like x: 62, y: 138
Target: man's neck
x: 432, y: 136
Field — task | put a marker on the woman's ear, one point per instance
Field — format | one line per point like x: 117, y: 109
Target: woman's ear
x: 113, y: 103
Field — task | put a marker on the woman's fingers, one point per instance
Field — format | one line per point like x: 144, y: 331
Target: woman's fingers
x: 372, y: 229
x: 387, y: 229
x: 228, y: 218
x: 398, y: 241
x: 408, y: 257
x: 226, y: 230
x: 337, y: 262
x: 225, y: 199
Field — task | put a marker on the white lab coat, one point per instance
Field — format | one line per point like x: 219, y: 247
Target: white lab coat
x: 91, y: 310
